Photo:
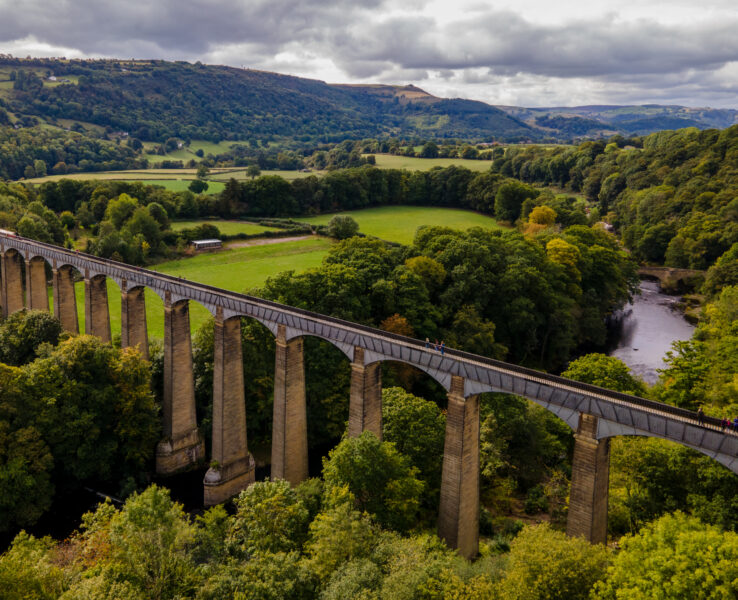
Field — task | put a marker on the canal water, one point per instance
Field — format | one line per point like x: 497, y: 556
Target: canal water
x: 645, y: 333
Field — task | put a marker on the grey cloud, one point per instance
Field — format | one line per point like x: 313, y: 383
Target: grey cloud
x: 508, y: 44
x: 175, y: 27
x: 485, y: 50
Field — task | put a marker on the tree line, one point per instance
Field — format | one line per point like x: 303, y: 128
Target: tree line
x: 37, y: 152
x: 671, y: 195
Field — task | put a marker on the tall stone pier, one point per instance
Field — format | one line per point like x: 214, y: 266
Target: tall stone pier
x: 289, y: 433
x: 365, y: 403
x: 37, y: 293
x: 590, y: 472
x: 65, y: 299
x: 11, y: 282
x: 182, y: 446
x: 97, y: 313
x: 133, y: 329
x: 458, y: 520
x: 232, y: 467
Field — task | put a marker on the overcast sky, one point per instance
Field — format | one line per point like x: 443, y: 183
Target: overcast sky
x: 522, y: 52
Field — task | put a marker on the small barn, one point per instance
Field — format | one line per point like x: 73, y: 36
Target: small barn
x: 206, y: 245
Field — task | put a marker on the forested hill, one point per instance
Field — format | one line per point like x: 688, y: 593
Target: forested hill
x: 603, y: 121
x: 153, y: 100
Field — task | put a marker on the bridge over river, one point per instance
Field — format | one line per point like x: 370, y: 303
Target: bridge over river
x: 595, y: 414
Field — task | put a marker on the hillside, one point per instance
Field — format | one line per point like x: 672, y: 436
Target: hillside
x: 153, y: 100
x: 156, y: 100
x: 604, y: 120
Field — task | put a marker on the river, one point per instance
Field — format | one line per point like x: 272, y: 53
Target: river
x: 645, y: 334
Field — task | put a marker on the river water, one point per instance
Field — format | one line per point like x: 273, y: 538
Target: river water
x: 645, y: 334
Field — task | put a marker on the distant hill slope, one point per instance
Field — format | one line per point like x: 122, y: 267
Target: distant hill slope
x: 154, y: 100
x: 580, y: 121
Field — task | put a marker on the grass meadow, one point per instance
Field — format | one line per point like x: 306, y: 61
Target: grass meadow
x: 399, y: 223
x: 390, y: 161
x: 225, y: 227
x: 241, y: 175
x: 175, y: 180
x: 237, y: 270
x: 186, y: 152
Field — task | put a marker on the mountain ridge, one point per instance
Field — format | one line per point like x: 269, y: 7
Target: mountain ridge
x: 154, y: 99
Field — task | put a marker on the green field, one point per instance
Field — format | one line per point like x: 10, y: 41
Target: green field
x: 399, y: 223
x: 225, y: 227
x: 241, y: 175
x: 168, y: 178
x: 390, y: 161
x: 181, y: 185
x: 186, y: 152
x: 176, y: 180
x: 237, y: 270
x: 133, y: 175
x: 182, y: 154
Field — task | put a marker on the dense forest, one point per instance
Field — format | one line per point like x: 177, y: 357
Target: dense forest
x: 671, y: 195
x: 37, y: 152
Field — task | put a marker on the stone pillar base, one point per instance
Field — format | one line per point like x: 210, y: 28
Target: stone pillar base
x: 458, y: 513
x: 173, y: 456
x: 590, y: 472
x: 228, y: 480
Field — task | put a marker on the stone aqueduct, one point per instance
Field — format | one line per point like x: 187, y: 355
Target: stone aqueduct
x: 595, y: 414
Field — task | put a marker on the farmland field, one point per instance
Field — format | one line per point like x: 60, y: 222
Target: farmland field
x: 168, y: 178
x: 241, y: 175
x: 180, y: 185
x: 399, y: 223
x: 390, y: 161
x: 216, y: 179
x: 186, y: 152
x: 237, y: 270
x: 225, y: 227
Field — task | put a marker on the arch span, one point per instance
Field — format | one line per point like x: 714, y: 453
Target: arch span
x: 12, y: 269
x: 65, y: 297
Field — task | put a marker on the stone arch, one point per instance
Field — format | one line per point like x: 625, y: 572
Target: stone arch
x: 415, y: 378
x: 65, y: 279
x: 10, y: 250
x: 35, y: 252
x: 728, y: 461
x: 12, y: 277
x: 440, y: 377
x: 133, y: 317
x: 568, y: 415
x: 37, y: 291
x: 97, y: 305
x: 347, y: 349
x: 699, y: 486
